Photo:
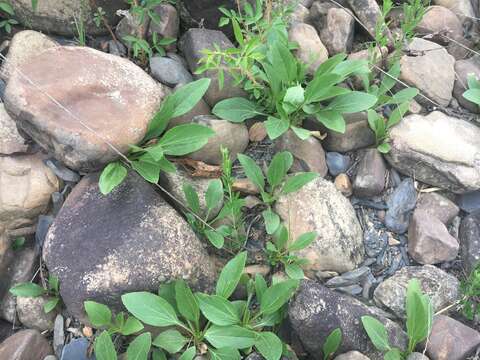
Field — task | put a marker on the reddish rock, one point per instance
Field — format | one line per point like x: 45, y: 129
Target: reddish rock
x: 437, y: 206
x: 370, y: 178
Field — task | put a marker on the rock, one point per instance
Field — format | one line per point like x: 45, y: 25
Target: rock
x: 462, y: 69
x: 349, y: 278
x: 316, y: 311
x: 334, y: 25
x: 24, y: 46
x: 6, y: 330
x: 61, y: 171
x: 132, y: 229
x: 437, y: 149
x: 352, y: 355
x: 319, y: 207
x: 469, y: 236
x: 117, y: 48
x: 205, y: 12
x: 368, y: 12
x: 437, y: 206
x: 300, y: 14
x: 441, y: 287
x: 311, y: 50
x: 58, y: 16
x: 169, y: 71
x: 25, y: 345
x: 462, y: 8
x: 77, y: 349
x: 451, y: 340
x: 32, y: 314
x: 10, y: 139
x: 169, y: 24
x: 245, y: 186
x: 131, y: 25
x: 308, y: 154
x: 400, y: 204
x: 370, y: 178
x: 58, y: 335
x: 429, y: 241
x: 191, y: 44
x: 417, y: 356
x: 343, y: 184
x: 469, y: 202
x: 107, y: 93
x: 233, y: 136
x: 257, y: 132
x: 337, y: 163
x: 431, y: 71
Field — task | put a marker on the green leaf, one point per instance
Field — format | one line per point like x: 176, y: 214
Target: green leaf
x: 187, y: 303
x: 224, y: 354
x: 397, y: 114
x: 186, y: 97
x: 281, y: 163
x: 269, y: 345
x: 7, y: 8
x: 150, y: 308
x: 352, y: 102
x: 230, y: 276
x: 51, y: 304
x: 214, y: 194
x: 98, y: 314
x: 236, y: 109
x: 384, y: 148
x: 158, y: 354
x: 34, y: 5
x: 185, y: 139
x: 403, y: 95
x: 294, y: 271
x: 303, y: 134
x: 297, y: 181
x: 293, y: 99
x: 237, y: 32
x: 281, y: 237
x: 332, y: 343
x: 472, y: 81
x: 53, y: 283
x: 232, y: 336
x: 332, y: 120
x: 252, y: 170
x: 131, y: 326
x: 272, y: 221
x: 472, y: 95
x: 276, y: 127
x: 215, y: 238
x: 104, y: 348
x: 112, y: 176
x: 320, y: 86
x: 330, y: 64
x: 149, y: 170
x: 393, y: 354
x: 189, y: 354
x: 171, y: 341
x: 277, y: 295
x: 27, y: 290
x: 303, y: 241
x: 140, y: 347
x: 377, y: 333
x: 260, y: 286
x: 419, y: 314
x: 160, y: 120
x: 192, y: 198
x: 218, y: 310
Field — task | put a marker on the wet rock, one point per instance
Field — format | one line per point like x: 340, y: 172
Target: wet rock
x: 233, y: 136
x: 352, y: 355
x: 437, y: 149
x: 337, y: 163
x: 442, y: 288
x: 400, y: 204
x: 311, y: 50
x: 469, y: 202
x: 463, y: 68
x: 10, y: 139
x: 429, y: 241
x: 131, y: 229
x: 308, y: 154
x: 316, y: 311
x: 191, y: 44
x: 430, y: 69
x: 108, y: 93
x: 319, y: 207
x: 169, y: 71
x: 32, y: 314
x: 370, y: 178
x: 368, y: 12
x: 25, y: 345
x: 469, y: 236
x: 77, y: 349
x: 437, y: 206
x: 169, y: 23
x: 343, y: 184
x: 451, y: 340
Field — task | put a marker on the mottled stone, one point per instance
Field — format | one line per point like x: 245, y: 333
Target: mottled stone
x: 25, y: 345
x: 31, y: 313
x: 437, y: 206
x: 469, y: 236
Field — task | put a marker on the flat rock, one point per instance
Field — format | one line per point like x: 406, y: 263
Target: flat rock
x: 370, y: 178
x: 136, y: 236
x: 319, y: 207
x: 25, y: 345
x: 463, y: 68
x: 438, y: 150
x: 469, y: 236
x: 109, y: 94
x: 442, y: 288
x: 10, y: 139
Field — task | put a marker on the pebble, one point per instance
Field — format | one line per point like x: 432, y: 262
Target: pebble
x: 375, y: 242
x: 62, y: 171
x: 58, y: 335
x: 343, y: 184
x: 337, y: 163
x: 169, y: 71
x: 370, y: 178
x: 77, y: 350
x: 400, y: 203
x: 469, y: 202
x: 257, y: 132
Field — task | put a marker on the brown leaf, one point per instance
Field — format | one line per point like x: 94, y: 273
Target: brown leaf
x: 199, y: 169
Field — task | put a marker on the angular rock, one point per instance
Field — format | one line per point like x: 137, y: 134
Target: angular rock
x: 32, y: 314
x: 233, y: 136
x: 191, y: 44
x: 169, y: 71
x: 343, y: 184
x: 469, y: 202
x: 463, y: 68
x: 469, y: 236
x: 10, y: 139
x: 25, y: 345
x: 451, y: 340
x: 300, y: 14
x: 169, y: 24
x: 368, y: 12
x: 370, y: 178
x: 437, y: 149
x: 311, y: 50
x: 431, y: 71
x: 316, y: 311
x: 308, y: 154
x: 352, y: 355
x: 77, y: 349
x: 131, y: 25
x: 136, y: 236
x: 442, y: 288
x: 109, y: 94
x: 319, y: 207
x: 429, y: 241
x: 437, y: 206
x: 400, y: 204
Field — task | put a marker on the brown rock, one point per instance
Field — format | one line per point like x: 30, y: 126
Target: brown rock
x: 311, y: 50
x: 437, y: 206
x: 169, y: 22
x: 245, y: 186
x: 343, y: 184
x: 109, y: 94
x: 25, y: 345
x: 10, y: 140
x: 257, y: 132
x: 370, y: 178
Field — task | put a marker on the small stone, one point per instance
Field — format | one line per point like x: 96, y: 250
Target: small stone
x: 337, y: 163
x: 437, y: 206
x: 77, y: 349
x: 169, y: 72
x: 464, y: 68
x: 169, y: 22
x: 252, y: 201
x: 245, y: 186
x: 393, y: 242
x: 257, y: 132
x: 451, y: 340
x: 469, y: 202
x: 344, y: 185
x: 369, y: 14
x: 417, y: 356
x: 58, y: 335
x: 87, y: 331
x: 349, y: 278
x: 25, y: 345
x: 469, y: 236
x: 400, y: 204
x: 311, y: 50
x: 10, y: 139
x: 429, y: 241
x: 370, y: 178
x: 116, y: 48
x: 352, y: 355
x: 32, y: 314
x: 257, y: 269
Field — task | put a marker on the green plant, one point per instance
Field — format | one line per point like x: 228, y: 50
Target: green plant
x: 18, y: 243
x: 6, y: 13
x: 149, y: 158
x: 275, y: 184
x: 99, y: 16
x: 470, y: 289
x: 140, y: 47
x: 419, y: 324
x: 101, y: 317
x: 473, y: 92
x: 413, y: 12
x: 199, y: 323
x: 81, y: 37
x: 332, y: 343
x: 33, y: 290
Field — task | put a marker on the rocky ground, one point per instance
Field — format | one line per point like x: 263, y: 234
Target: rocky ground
x: 381, y: 219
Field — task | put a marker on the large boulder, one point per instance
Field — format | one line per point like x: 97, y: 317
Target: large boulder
x: 437, y: 149
x: 103, y: 98
x: 320, y: 207
x: 129, y: 240
x: 25, y: 345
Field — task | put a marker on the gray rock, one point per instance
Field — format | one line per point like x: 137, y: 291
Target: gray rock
x: 25, y: 345
x: 462, y: 8
x: 169, y: 24
x: 6, y: 330
x: 437, y: 206
x: 117, y: 48
x: 349, y: 278
x: 169, y: 71
x: 300, y: 14
x: 205, y: 12
x: 337, y: 163
x: 442, y: 288
x: 62, y: 172
x: 131, y: 25
x: 58, y: 335
x: 50, y: 357
x: 77, y: 349
x: 32, y: 314
x: 469, y: 202
x: 10, y: 139
x: 437, y: 149
x: 417, y: 356
x: 316, y: 311
x: 469, y: 236
x: 319, y: 207
x: 462, y: 69
x: 132, y: 229
x: 370, y: 178
x: 368, y: 12
x: 400, y: 204
x: 352, y: 355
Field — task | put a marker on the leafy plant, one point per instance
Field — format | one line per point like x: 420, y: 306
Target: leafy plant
x: 419, y: 324
x: 18, y: 243
x: 473, y: 92
x: 275, y: 184
x: 30, y: 289
x: 332, y: 343
x: 6, y: 13
x: 140, y: 47
x: 149, y: 158
x: 470, y: 289
x: 413, y: 12
x: 81, y: 37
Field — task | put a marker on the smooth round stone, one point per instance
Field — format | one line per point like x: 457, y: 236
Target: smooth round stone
x: 169, y: 71
x: 337, y: 163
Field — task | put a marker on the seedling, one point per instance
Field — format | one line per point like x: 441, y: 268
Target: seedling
x: 30, y: 289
